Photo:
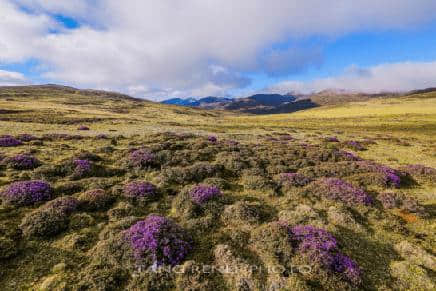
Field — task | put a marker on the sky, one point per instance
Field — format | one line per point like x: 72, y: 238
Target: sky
x: 196, y: 48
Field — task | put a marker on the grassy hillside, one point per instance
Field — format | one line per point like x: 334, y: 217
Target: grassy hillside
x: 359, y: 177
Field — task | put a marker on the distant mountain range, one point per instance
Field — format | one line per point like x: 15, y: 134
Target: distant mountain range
x: 258, y: 104
x: 276, y: 103
x: 202, y: 102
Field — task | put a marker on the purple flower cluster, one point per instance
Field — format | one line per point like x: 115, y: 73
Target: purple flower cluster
x: 349, y: 156
x: 160, y: 240
x: 347, y: 267
x: 102, y: 136
x: 322, y: 248
x: 390, y: 176
x: 294, y: 179
x: 9, y: 141
x: 27, y: 193
x: 83, y: 127
x: 200, y: 194
x: 391, y: 200
x: 65, y: 205
x: 141, y: 158
x: 420, y: 170
x: 212, y: 139
x: 332, y: 139
x: 82, y: 168
x: 25, y: 137
x: 355, y: 145
x: 23, y: 162
x: 309, y: 238
x: 337, y: 189
x: 139, y: 189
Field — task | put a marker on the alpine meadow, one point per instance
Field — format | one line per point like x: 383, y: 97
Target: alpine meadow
x: 217, y: 145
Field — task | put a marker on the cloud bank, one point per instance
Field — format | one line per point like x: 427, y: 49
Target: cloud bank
x: 8, y: 78
x: 182, y: 48
x: 387, y: 77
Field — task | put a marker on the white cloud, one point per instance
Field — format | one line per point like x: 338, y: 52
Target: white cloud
x: 8, y: 78
x: 386, y: 77
x: 173, y: 46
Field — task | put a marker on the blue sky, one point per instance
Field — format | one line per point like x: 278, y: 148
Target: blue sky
x: 159, y: 50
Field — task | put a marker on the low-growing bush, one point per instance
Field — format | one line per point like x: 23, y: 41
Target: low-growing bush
x: 158, y: 241
x: 25, y: 137
x: 202, y: 193
x: 391, y: 200
x: 293, y: 180
x: 49, y: 219
x: 420, y: 171
x: 337, y: 189
x: 23, y: 162
x: 25, y: 193
x: 9, y: 141
x: 244, y: 213
x: 259, y: 183
x: 321, y: 248
x: 390, y: 176
x: 355, y: 145
x: 140, y: 191
x: 192, y: 174
x: 82, y: 169
x: 142, y: 158
x: 8, y: 248
x: 95, y: 199
x: 83, y: 127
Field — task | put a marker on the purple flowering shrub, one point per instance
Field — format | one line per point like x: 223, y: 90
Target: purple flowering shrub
x: 355, y: 145
x: 49, y: 219
x: 27, y: 193
x: 82, y: 168
x: 212, y: 138
x: 139, y: 190
x: 202, y: 193
x: 420, y: 171
x: 142, y: 158
x: 337, y: 189
x: 95, y: 199
x: 158, y: 241
x: 25, y: 137
x: 321, y: 248
x: 102, y: 136
x: 23, y: 162
x: 349, y: 156
x: 331, y: 139
x: 390, y: 176
x: 294, y: 179
x: 391, y: 200
x: 9, y: 141
x: 194, y: 173
x: 83, y: 127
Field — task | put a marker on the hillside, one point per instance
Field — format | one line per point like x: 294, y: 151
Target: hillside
x: 113, y: 189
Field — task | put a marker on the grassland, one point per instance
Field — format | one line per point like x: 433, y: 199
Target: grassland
x: 394, y: 247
